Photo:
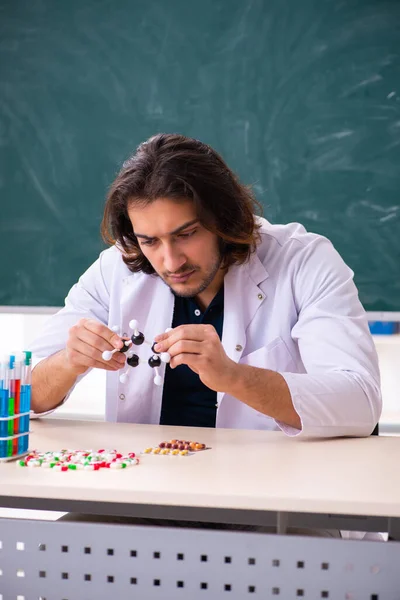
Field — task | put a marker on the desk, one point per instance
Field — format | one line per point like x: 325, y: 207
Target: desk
x: 247, y: 477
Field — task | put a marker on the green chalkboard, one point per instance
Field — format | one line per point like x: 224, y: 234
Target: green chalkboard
x: 301, y: 98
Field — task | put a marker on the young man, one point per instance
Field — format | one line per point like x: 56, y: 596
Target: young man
x: 267, y: 328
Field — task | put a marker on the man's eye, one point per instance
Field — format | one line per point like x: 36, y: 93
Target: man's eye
x: 148, y: 243
x: 186, y: 235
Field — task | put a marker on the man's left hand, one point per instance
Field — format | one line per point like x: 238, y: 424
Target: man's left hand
x: 199, y: 347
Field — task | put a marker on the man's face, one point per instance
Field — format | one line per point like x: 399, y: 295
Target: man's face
x: 180, y: 249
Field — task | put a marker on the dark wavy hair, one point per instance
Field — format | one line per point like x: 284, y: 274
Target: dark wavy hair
x: 174, y: 166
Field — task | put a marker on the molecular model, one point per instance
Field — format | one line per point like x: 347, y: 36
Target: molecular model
x: 133, y: 360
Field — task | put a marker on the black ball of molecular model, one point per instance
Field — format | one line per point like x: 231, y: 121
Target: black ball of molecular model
x: 133, y: 360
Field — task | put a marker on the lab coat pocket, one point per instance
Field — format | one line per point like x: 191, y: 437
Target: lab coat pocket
x: 274, y: 356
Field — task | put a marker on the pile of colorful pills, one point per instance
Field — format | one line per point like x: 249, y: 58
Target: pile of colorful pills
x: 75, y: 460
x: 175, y: 448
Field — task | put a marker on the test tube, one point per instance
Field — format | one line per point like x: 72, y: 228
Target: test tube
x: 15, y: 395
x: 17, y: 401
x: 27, y: 398
x: 11, y: 403
x: 3, y: 405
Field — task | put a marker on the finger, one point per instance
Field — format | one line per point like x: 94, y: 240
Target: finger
x: 162, y: 337
x: 93, y: 339
x: 117, y: 360
x: 186, y: 347
x: 188, y: 332
x: 191, y: 360
x: 81, y: 360
x: 180, y: 331
x: 102, y: 331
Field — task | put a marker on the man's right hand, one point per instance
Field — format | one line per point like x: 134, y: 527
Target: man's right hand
x: 87, y: 340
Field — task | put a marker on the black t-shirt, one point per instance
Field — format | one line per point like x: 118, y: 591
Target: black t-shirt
x: 186, y: 400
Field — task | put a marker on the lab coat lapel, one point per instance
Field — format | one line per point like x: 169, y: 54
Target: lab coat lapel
x: 242, y: 298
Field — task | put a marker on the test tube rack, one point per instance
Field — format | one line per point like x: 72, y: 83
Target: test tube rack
x: 15, y: 401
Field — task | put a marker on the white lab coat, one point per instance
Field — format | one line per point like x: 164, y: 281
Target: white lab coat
x: 293, y: 308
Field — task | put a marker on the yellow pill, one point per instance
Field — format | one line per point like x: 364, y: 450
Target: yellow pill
x: 164, y: 451
x: 156, y: 450
x: 174, y: 452
x: 183, y: 452
x: 148, y: 450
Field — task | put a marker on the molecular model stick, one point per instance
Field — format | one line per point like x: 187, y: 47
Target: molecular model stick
x: 133, y: 360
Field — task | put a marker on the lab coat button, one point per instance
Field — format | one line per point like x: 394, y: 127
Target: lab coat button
x: 238, y: 348
x: 122, y: 396
x: 260, y: 296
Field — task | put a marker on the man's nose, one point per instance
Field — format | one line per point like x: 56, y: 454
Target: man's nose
x: 173, y: 260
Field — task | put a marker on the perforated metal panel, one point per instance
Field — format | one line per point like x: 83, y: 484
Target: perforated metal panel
x: 92, y: 561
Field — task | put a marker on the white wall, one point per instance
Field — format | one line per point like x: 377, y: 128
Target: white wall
x: 88, y: 399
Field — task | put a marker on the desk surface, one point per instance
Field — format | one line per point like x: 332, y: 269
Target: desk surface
x: 243, y: 470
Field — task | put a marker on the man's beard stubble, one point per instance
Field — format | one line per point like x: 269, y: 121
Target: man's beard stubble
x: 204, y: 284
